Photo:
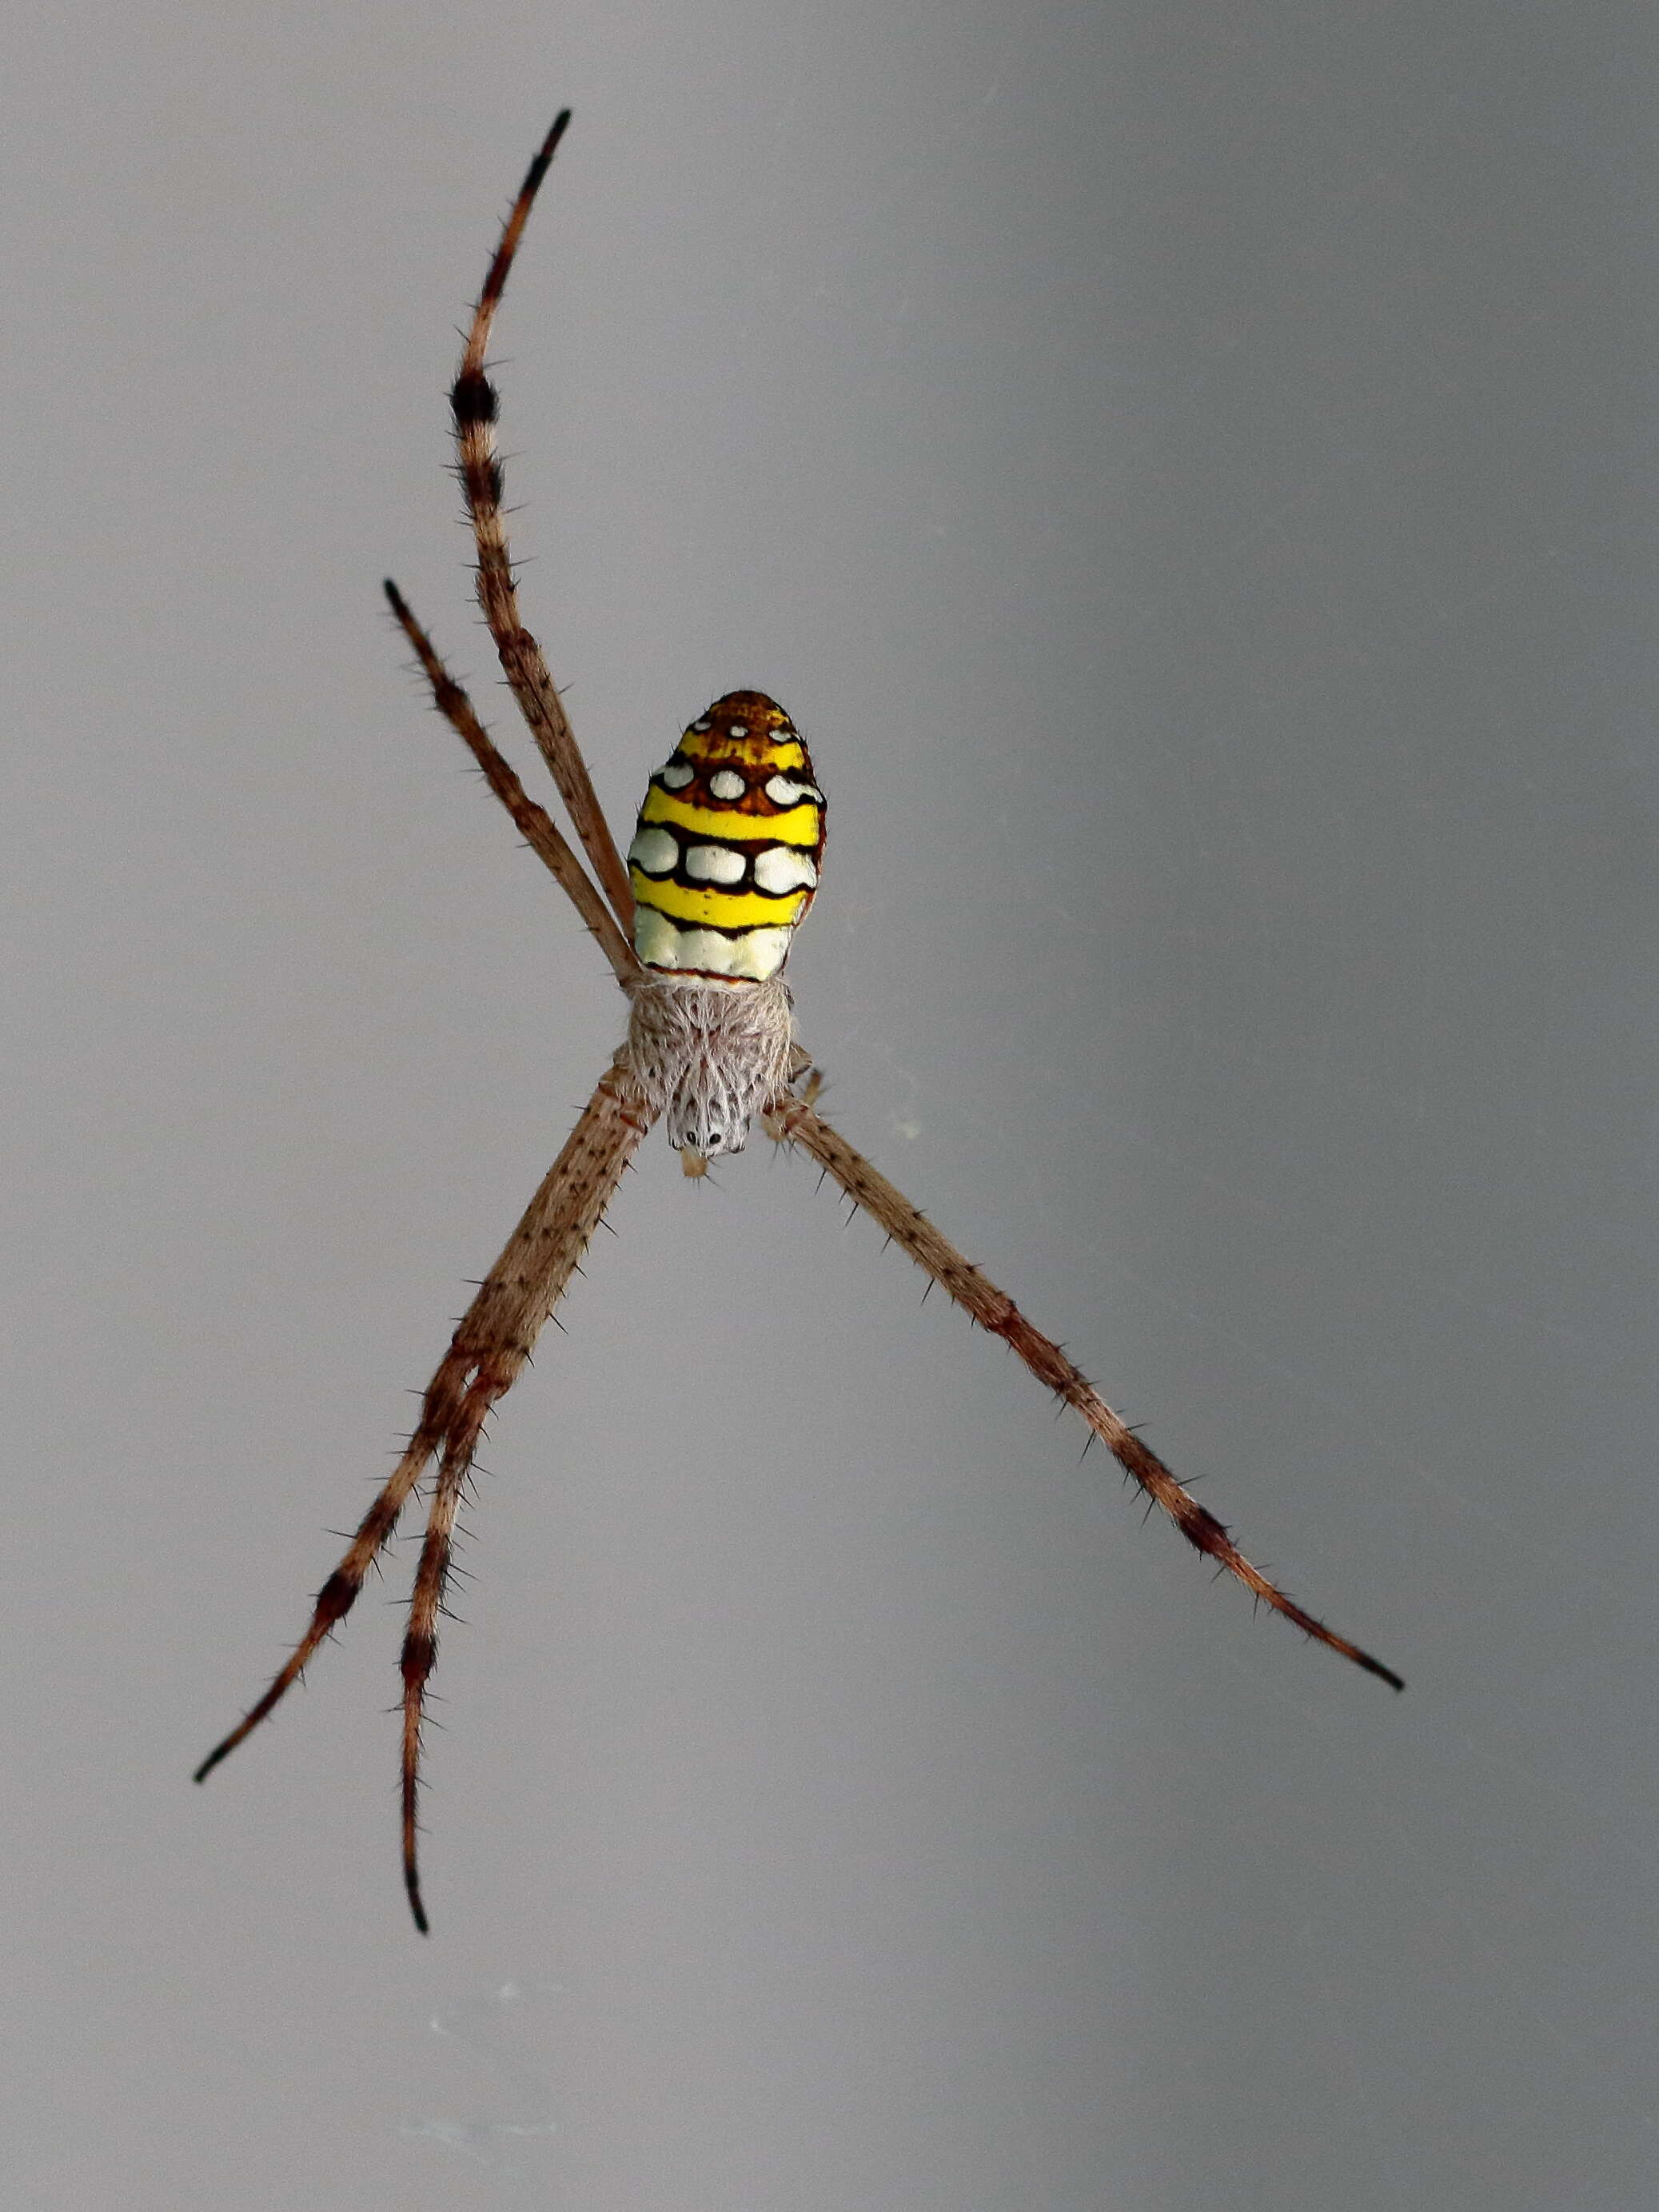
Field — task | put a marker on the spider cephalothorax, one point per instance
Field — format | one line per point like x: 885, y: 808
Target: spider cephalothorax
x: 723, y: 865
x: 696, y: 929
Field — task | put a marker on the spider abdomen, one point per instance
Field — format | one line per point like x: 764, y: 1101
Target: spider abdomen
x: 725, y: 859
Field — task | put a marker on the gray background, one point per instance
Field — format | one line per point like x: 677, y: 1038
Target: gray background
x: 1189, y: 469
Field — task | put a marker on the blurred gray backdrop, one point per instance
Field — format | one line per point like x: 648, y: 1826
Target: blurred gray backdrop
x: 1189, y: 469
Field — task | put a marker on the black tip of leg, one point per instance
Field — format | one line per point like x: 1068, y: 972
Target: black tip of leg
x: 412, y: 1885
x: 219, y: 1751
x: 538, y: 168
x: 1384, y: 1673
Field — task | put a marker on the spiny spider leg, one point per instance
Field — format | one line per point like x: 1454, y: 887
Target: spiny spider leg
x: 536, y: 825
x: 792, y: 1119
x: 487, y: 1353
x: 472, y: 401
x: 491, y: 1345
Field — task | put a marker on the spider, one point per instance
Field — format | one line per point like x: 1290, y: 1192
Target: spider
x: 697, y: 927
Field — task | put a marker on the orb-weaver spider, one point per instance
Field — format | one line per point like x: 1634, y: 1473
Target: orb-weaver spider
x: 697, y: 928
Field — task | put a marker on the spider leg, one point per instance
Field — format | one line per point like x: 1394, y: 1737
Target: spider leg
x: 487, y: 1353
x: 473, y: 404
x: 339, y: 1593
x: 535, y: 824
x: 793, y: 1121
x: 420, y: 1650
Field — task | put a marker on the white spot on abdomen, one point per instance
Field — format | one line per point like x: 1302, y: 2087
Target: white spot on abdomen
x: 676, y: 775
x: 714, y: 863
x: 655, y: 850
x: 784, y: 791
x: 726, y: 783
x: 781, y: 869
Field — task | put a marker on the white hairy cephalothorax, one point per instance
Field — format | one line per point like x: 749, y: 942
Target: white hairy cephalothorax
x: 708, y: 1057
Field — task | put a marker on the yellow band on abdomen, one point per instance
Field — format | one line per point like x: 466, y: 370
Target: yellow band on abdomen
x: 716, y: 909
x: 797, y: 825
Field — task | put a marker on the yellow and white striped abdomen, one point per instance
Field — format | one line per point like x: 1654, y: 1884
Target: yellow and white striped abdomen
x: 725, y: 860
